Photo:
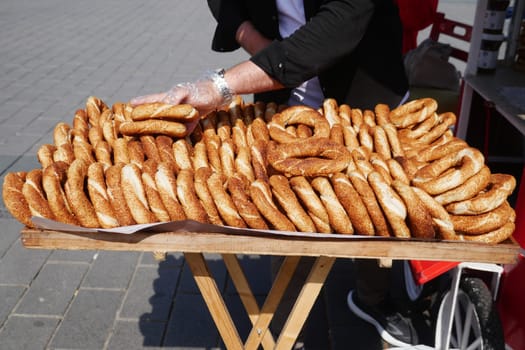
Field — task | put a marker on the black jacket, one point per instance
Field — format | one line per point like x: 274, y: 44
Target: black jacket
x: 354, y: 46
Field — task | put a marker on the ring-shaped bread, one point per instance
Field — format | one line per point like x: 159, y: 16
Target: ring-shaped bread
x: 309, y: 157
x: 297, y: 115
x: 450, y: 171
x: 413, y: 112
x: 495, y: 194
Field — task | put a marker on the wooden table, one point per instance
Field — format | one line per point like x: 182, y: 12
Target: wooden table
x: 325, y: 248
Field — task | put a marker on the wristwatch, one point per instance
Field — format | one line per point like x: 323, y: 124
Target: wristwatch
x: 221, y: 85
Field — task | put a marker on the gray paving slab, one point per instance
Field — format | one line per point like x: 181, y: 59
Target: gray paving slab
x: 170, y: 260
x: 21, y: 162
x: 258, y: 273
x: 21, y: 332
x: 19, y: 266
x: 10, y: 295
x: 130, y: 335
x: 9, y: 229
x: 88, y: 322
x: 217, y: 270
x: 85, y: 256
x: 150, y: 294
x: 343, y: 324
x: 6, y: 161
x: 191, y: 324
x: 240, y: 317
x: 52, y: 290
x: 111, y: 270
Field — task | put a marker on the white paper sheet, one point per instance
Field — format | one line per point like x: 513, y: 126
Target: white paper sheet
x: 186, y: 226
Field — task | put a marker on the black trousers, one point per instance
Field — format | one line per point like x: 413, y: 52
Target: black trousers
x: 372, y: 281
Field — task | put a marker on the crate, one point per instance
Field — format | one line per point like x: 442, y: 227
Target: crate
x: 426, y: 270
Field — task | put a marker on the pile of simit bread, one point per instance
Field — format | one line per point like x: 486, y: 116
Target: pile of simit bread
x: 341, y: 170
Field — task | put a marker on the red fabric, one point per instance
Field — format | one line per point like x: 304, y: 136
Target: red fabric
x: 415, y: 16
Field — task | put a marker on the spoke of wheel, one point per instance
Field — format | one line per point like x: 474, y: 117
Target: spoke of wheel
x: 475, y: 327
x: 458, y: 322
x: 476, y: 345
x: 453, y: 341
x: 469, y: 313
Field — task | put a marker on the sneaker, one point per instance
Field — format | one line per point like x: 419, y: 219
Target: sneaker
x: 298, y: 346
x: 393, y: 327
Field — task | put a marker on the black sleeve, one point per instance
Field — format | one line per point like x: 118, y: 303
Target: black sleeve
x: 229, y: 15
x: 333, y: 32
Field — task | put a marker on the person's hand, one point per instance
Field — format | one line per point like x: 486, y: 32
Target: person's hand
x: 205, y: 95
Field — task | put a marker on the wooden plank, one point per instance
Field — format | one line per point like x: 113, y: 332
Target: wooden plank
x: 305, y: 301
x: 245, y: 293
x: 503, y: 253
x: 213, y: 298
x: 273, y: 299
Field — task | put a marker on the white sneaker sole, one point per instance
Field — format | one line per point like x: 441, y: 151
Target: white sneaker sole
x: 382, y: 332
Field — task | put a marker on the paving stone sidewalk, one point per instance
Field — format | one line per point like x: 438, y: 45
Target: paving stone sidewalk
x: 54, y: 54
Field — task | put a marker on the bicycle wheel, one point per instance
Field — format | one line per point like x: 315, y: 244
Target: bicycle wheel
x: 476, y: 324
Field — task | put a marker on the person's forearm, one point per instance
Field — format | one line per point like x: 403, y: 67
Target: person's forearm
x: 248, y: 78
x: 250, y: 39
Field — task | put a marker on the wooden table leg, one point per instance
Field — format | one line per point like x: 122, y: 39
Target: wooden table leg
x: 245, y: 293
x: 272, y: 301
x: 305, y: 302
x: 213, y: 298
x: 260, y: 320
